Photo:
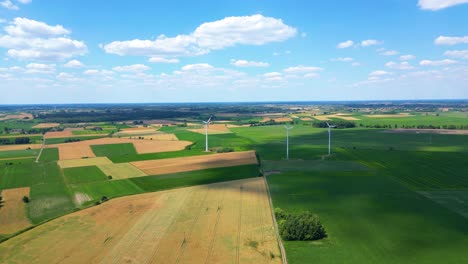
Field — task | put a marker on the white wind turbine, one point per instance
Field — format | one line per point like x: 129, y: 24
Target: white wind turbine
x: 207, y: 123
x: 287, y: 141
x: 329, y: 138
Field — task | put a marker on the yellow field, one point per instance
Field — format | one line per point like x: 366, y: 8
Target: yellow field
x: 71, y: 163
x: 156, y: 136
x: 339, y: 116
x: 13, y: 213
x: 213, y: 129
x: 18, y: 116
x: 322, y: 118
x: 76, y: 150
x: 228, y: 222
x: 306, y: 119
x: 389, y: 116
x: 121, y: 170
x: 173, y: 165
x: 46, y: 125
x: 20, y: 147
x: 277, y: 119
x: 58, y: 134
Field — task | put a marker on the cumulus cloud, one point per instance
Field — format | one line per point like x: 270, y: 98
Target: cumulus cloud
x: 450, y: 41
x: 437, y: 62
x: 131, y: 68
x: 439, y: 4
x: 9, y: 5
x: 40, y: 68
x: 407, y: 57
x: 346, y: 59
x: 25, y: 2
x: 246, y: 63
x: 98, y: 72
x: 385, y: 52
x: 28, y: 39
x: 73, y: 64
x: 399, y: 66
x: 162, y: 60
x: 462, y: 54
x: 227, y: 32
x: 345, y: 44
x: 379, y: 73
x: 371, y: 42
x: 302, y: 69
x: 197, y: 67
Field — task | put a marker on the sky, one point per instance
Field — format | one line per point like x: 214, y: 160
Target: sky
x: 86, y: 51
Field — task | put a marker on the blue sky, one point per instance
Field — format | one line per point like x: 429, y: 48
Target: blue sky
x: 198, y: 51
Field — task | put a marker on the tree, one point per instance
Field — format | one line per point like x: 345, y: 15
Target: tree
x: 25, y: 199
x: 303, y: 226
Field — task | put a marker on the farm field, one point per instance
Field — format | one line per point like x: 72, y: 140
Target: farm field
x: 13, y: 212
x: 223, y: 222
x: 164, y: 166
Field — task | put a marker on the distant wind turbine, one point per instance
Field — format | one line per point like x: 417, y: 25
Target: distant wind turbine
x: 329, y: 138
x: 207, y: 123
x: 287, y: 141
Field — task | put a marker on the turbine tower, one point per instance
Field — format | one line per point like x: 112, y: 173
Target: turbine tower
x: 287, y: 141
x: 207, y: 123
x: 329, y: 138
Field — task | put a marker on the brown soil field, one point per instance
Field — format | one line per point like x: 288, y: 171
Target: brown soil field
x: 46, y: 125
x: 83, y: 162
x: 228, y: 222
x: 155, y: 136
x: 389, y: 115
x: 20, y: 147
x: 19, y: 116
x: 213, y: 129
x: 306, y: 119
x: 13, y: 212
x: 173, y: 165
x: 433, y: 131
x: 277, y: 119
x: 322, y: 118
x: 76, y: 150
x: 59, y: 134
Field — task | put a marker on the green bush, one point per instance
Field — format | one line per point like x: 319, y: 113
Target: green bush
x: 303, y: 226
x: 25, y: 199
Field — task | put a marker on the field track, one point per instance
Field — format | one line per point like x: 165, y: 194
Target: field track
x: 173, y: 165
x: 227, y: 222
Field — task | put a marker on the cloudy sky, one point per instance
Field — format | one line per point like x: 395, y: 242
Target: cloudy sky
x: 198, y: 51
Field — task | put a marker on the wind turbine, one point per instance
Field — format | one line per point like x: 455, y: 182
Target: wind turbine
x: 287, y: 141
x: 207, y: 123
x: 329, y: 138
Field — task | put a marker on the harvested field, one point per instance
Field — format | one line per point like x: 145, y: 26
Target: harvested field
x: 389, y: 115
x: 322, y: 118
x: 277, y: 119
x: 58, y: 134
x: 228, y: 222
x: 76, y: 150
x: 20, y: 147
x: 18, y: 116
x: 213, y: 129
x: 339, y: 116
x: 83, y: 162
x: 121, y: 170
x: 13, y: 213
x: 21, y: 135
x: 157, y: 136
x: 173, y: 165
x: 306, y: 119
x: 433, y: 131
x: 46, y: 125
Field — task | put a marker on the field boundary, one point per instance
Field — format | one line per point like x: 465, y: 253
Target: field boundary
x: 275, y: 224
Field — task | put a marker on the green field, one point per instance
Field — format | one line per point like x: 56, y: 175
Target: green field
x: 111, y: 150
x: 49, y: 154
x: 83, y: 174
x: 17, y: 173
x: 18, y: 153
x: 50, y: 141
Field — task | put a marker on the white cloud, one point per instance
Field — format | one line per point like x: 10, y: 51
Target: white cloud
x: 302, y: 69
x: 131, y: 68
x: 73, y: 64
x: 197, y: 67
x: 345, y: 44
x: 370, y: 42
x: 407, y: 57
x: 385, y: 52
x: 40, y: 68
x: 162, y: 60
x: 245, y: 63
x: 439, y: 4
x: 462, y: 54
x: 227, y: 32
x: 33, y: 40
x: 399, y: 66
x: 25, y: 2
x: 450, y: 41
x: 9, y: 5
x: 379, y: 73
x: 437, y: 62
x: 27, y: 28
x: 346, y: 59
x: 98, y: 72
x: 272, y: 74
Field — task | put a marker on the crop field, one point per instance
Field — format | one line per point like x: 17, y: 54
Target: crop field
x: 20, y: 147
x: 49, y: 154
x: 165, y: 166
x: 82, y: 149
x: 83, y: 174
x: 218, y: 223
x: 16, y: 116
x: 13, y: 212
x: 121, y: 170
x: 213, y: 129
x: 46, y: 125
x: 17, y: 173
x: 83, y: 162
x: 109, y: 150
x: 155, y: 136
